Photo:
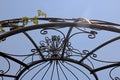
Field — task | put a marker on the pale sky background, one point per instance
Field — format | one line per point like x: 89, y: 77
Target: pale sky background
x: 92, y: 9
x: 107, y: 10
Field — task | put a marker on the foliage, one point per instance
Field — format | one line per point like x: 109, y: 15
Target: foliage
x: 34, y: 19
x: 1, y: 30
x: 25, y: 20
x: 40, y: 13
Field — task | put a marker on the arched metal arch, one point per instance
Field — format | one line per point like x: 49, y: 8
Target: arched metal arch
x: 57, y: 52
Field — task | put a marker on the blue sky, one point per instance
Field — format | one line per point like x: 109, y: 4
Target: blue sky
x: 92, y: 9
x: 108, y: 10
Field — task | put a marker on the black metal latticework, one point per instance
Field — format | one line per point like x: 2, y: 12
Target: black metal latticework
x: 61, y: 50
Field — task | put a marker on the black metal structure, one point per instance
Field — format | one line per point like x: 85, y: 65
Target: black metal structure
x: 59, y: 50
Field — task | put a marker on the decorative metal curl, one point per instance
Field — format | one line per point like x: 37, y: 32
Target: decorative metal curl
x: 114, y: 77
x: 92, y: 34
x: 53, y: 47
x: 44, y: 32
x: 8, y: 66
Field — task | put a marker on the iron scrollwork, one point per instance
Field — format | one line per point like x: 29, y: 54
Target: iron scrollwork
x: 58, y: 56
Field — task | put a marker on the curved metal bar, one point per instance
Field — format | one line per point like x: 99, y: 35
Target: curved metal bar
x: 110, y: 74
x: 58, y: 74
x: 40, y: 26
x: 66, y: 78
x: 13, y: 59
x: 100, y: 46
x: 46, y: 71
x: 16, y: 20
x: 70, y: 71
x: 35, y: 45
x: 78, y: 69
x: 32, y: 68
x: 49, y: 19
x: 105, y: 67
x: 59, y: 25
x: 104, y: 22
x: 5, y: 75
x: 64, y: 59
x: 99, y: 27
x: 65, y: 42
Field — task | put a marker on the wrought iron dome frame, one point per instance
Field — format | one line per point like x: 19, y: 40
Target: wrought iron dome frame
x: 57, y: 51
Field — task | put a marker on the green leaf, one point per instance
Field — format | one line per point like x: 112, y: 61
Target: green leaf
x: 2, y: 30
x: 25, y: 20
x: 35, y: 20
x: 39, y: 12
x: 15, y: 24
x: 44, y: 14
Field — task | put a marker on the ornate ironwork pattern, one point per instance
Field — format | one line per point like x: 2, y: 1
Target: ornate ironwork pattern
x: 63, y: 49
